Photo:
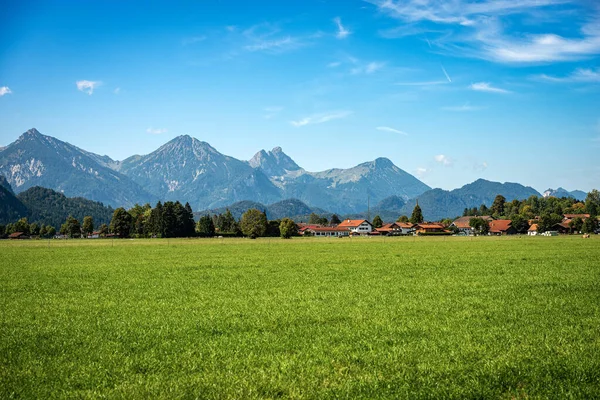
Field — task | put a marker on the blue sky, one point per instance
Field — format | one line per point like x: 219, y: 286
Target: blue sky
x: 450, y: 91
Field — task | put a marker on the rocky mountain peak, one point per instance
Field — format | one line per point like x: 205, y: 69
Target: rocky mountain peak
x: 274, y: 162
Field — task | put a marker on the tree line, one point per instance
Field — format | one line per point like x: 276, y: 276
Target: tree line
x: 546, y: 211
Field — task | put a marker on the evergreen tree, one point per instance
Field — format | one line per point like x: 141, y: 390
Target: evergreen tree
x: 335, y: 220
x: 377, y: 222
x: 498, y: 206
x: 313, y: 219
x: 417, y: 215
x: 188, y: 221
x: 205, y: 227
x: 168, y: 220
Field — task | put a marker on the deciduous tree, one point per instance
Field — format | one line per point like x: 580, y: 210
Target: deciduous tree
x: 205, y: 227
x: 88, y: 225
x: 253, y: 223
x: 121, y: 222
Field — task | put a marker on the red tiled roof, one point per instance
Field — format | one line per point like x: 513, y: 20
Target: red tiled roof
x: 15, y: 235
x: 329, y: 229
x: 500, y: 225
x: 533, y: 227
x: 463, y: 222
x: 389, y: 226
x: 405, y: 225
x: 572, y: 216
x: 351, y: 223
x: 430, y: 226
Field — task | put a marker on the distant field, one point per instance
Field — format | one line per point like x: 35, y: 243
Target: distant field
x: 305, y: 318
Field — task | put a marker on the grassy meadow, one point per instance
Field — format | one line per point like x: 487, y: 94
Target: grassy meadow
x: 316, y: 318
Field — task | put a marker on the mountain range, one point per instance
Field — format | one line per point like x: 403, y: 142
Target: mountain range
x: 189, y: 170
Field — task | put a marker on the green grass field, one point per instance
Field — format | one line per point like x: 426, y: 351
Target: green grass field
x: 305, y: 318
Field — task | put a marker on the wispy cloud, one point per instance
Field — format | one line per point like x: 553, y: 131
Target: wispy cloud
x: 268, y: 38
x: 194, y: 39
x: 320, y: 118
x: 368, y: 68
x: 423, y: 83
x: 479, y: 167
x: 4, y: 90
x: 334, y: 64
x: 487, y: 87
x: 580, y: 75
x: 475, y: 29
x: 342, y: 32
x: 392, y: 130
x: 117, y: 90
x: 465, y: 107
x: 156, y: 131
x: 444, y: 160
x: 272, y: 112
x: 446, y: 73
x: 87, y: 86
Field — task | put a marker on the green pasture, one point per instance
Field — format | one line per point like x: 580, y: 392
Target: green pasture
x: 413, y: 318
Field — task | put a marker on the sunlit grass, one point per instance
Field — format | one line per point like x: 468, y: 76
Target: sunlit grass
x: 305, y: 318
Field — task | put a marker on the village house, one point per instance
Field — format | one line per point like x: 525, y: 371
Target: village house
x: 18, y: 235
x: 327, y: 231
x: 533, y: 230
x: 395, y: 229
x: 502, y: 227
x: 407, y: 227
x: 357, y: 226
x: 463, y: 223
x: 428, y: 227
x: 302, y: 228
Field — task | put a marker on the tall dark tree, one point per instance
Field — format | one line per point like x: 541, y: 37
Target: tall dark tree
x: 226, y: 223
x: 154, y: 224
x: 205, y: 227
x: 498, y: 206
x: 377, y: 222
x: 417, y: 215
x: 188, y: 221
x: 590, y: 225
x: 88, y: 225
x: 253, y: 223
x: 592, y: 203
x: 121, y: 223
x: 71, y: 227
x: 34, y: 229
x: 288, y: 228
x: 168, y: 220
x: 335, y: 220
x: 520, y: 223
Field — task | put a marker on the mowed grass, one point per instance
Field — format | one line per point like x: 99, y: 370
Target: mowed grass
x: 304, y: 318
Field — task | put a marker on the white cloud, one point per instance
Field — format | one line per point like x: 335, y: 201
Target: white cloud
x: 275, y: 45
x: 342, y: 32
x: 321, y: 118
x: 580, y: 75
x: 5, y: 90
x: 368, y: 69
x: 444, y: 160
x: 117, y: 90
x: 487, y: 87
x: 334, y: 64
x: 87, y: 86
x: 156, y: 131
x: 392, y: 130
x: 463, y: 108
x: 477, y: 30
x: 420, y: 172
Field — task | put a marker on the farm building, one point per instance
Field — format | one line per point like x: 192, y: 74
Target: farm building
x: 463, y: 223
x: 357, y: 226
x: 327, y: 231
x: 395, y: 229
x: 533, y: 230
x: 429, y: 228
x: 502, y: 227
